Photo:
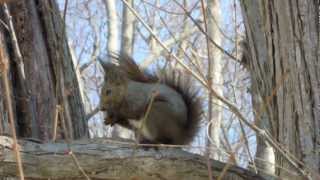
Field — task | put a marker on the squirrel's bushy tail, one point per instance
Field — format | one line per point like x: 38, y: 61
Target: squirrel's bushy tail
x: 185, y: 86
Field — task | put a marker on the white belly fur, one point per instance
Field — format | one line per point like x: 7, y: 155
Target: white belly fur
x: 137, y: 124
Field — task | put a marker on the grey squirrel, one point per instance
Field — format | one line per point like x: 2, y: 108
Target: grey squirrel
x: 175, y: 106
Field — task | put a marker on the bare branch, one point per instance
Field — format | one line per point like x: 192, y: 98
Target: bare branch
x: 205, y: 33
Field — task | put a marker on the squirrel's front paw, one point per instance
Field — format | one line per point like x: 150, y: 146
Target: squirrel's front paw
x: 109, y: 121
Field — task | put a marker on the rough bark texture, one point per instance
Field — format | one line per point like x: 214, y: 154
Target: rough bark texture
x: 50, y: 77
x: 265, y: 156
x: 36, y: 120
x: 284, y: 43
x: 105, y: 159
x: 4, y: 117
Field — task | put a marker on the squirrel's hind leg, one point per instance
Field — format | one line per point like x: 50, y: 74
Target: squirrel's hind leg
x: 148, y: 144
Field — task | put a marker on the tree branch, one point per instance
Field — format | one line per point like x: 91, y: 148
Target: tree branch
x: 108, y: 159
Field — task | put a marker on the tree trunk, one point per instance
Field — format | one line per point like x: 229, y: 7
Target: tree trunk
x: 215, y: 73
x: 265, y: 156
x: 49, y: 73
x: 113, y: 28
x: 127, y: 30
x: 284, y: 43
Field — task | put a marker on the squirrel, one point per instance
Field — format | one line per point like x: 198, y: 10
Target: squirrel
x: 175, y: 105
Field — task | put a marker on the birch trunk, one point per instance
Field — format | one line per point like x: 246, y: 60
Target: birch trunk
x: 113, y: 29
x: 215, y: 71
x: 127, y: 30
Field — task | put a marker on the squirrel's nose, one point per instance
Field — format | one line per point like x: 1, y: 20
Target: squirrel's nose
x: 103, y: 108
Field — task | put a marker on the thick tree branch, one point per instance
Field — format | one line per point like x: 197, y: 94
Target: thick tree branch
x: 108, y: 159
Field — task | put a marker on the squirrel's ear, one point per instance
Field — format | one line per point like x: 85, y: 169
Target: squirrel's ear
x: 111, y: 62
x: 105, y: 65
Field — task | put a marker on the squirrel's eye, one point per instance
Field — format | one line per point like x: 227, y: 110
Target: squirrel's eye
x: 108, y: 92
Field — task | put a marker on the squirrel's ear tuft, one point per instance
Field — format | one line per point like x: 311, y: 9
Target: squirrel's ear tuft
x: 105, y: 65
x: 110, y: 61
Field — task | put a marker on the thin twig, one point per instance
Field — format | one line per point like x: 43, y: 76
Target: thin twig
x: 55, y: 123
x: 5, y: 67
x: 64, y: 125
x: 78, y: 165
x: 204, y: 32
x: 162, y: 45
x: 144, y: 119
x: 196, y: 66
x: 167, y: 11
x: 96, y: 41
x: 229, y: 163
x: 92, y: 113
x: 16, y: 48
x: 4, y: 25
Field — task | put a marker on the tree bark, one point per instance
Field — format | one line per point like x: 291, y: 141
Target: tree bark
x: 284, y: 43
x: 4, y: 113
x: 94, y: 159
x: 265, y: 156
x: 50, y: 76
